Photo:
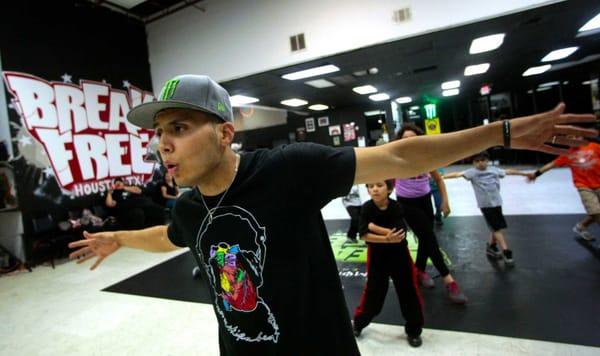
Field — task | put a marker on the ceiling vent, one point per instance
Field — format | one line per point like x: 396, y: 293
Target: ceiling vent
x: 402, y: 15
x: 297, y: 42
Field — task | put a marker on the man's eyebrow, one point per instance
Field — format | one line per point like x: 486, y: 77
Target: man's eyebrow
x: 175, y: 120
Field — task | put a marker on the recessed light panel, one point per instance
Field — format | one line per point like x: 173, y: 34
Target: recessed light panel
x: 536, y: 70
x: 365, y: 89
x: 294, y: 102
x: 486, y: 43
x: 311, y: 72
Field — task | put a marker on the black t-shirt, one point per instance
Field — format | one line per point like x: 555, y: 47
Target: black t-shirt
x: 392, y: 217
x: 266, y: 253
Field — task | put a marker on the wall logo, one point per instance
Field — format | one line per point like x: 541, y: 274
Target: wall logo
x: 84, y: 130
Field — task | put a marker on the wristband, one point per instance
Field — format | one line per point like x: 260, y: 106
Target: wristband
x: 506, y: 133
x: 537, y: 173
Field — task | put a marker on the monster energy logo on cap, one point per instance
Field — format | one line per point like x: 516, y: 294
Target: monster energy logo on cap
x: 169, y: 89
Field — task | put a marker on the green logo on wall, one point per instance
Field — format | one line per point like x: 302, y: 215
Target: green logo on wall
x: 430, y: 111
x: 169, y: 89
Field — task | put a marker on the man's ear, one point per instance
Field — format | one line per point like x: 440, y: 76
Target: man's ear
x: 226, y: 133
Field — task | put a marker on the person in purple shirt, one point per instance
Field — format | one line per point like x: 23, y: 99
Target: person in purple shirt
x: 414, y: 194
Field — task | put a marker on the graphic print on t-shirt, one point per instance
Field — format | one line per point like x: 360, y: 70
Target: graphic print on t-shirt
x: 232, y: 247
x: 583, y: 159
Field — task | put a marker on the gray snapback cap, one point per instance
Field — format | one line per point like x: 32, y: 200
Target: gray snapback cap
x: 196, y: 92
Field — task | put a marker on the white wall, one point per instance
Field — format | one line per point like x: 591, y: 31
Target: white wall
x: 236, y: 38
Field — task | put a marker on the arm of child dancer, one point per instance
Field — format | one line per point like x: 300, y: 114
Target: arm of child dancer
x: 413, y: 156
x: 165, y: 195
x: 533, y: 176
x: 379, y: 230
x: 132, y: 189
x: 453, y: 175
x: 104, y: 244
x: 445, y: 205
x: 392, y: 237
x: 516, y: 172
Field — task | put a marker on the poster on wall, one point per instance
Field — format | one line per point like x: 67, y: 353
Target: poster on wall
x: 323, y: 121
x: 349, y: 132
x: 335, y: 130
x: 79, y: 134
x: 310, y: 124
x: 336, y: 140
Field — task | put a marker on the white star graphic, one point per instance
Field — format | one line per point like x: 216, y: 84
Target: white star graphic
x: 48, y: 171
x: 126, y: 84
x: 66, y: 78
x: 25, y: 141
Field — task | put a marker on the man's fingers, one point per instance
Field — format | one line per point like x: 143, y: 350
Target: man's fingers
x: 552, y: 150
x: 98, y: 261
x: 80, y: 252
x: 79, y: 243
x: 568, y: 130
x: 85, y: 259
x: 566, y: 141
x: 576, y: 118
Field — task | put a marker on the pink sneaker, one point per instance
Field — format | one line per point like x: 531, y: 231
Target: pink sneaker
x: 454, y: 293
x: 425, y: 279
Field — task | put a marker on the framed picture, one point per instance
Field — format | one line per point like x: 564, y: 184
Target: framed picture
x: 335, y: 130
x: 323, y: 121
x: 310, y: 124
x: 336, y: 140
x: 349, y: 132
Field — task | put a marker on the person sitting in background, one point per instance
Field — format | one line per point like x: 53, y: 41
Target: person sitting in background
x: 169, y: 190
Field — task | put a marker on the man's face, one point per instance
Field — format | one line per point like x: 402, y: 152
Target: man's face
x: 188, y: 144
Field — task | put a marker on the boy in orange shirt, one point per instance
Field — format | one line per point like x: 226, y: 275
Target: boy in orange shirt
x: 584, y: 163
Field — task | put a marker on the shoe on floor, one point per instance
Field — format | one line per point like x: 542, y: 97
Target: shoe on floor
x: 425, y: 279
x: 492, y: 251
x: 454, y: 293
x: 507, y: 256
x: 583, y: 232
x: 414, y: 340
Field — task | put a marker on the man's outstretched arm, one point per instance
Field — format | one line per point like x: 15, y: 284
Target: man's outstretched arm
x: 416, y: 155
x: 104, y: 244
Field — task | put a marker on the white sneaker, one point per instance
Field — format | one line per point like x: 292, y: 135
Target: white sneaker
x: 583, y: 232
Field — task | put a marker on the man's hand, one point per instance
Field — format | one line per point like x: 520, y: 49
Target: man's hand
x: 100, y: 245
x: 445, y: 208
x: 536, y: 132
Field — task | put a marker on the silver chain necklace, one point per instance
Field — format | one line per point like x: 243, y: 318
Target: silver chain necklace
x: 211, y: 211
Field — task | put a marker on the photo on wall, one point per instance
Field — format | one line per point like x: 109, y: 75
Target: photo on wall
x: 323, y: 121
x: 335, y: 130
x: 310, y: 124
x: 336, y: 140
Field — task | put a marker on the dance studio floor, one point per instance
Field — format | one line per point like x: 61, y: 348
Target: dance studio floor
x: 139, y: 303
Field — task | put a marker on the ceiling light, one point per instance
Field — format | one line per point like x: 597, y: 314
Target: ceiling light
x: 416, y: 107
x: 312, y: 72
x: 379, y: 97
x: 559, y: 54
x: 477, y: 69
x: 451, y: 84
x: 294, y: 102
x: 404, y: 100
x: 542, y: 89
x: 374, y: 112
x: 536, y: 70
x: 588, y: 82
x: 549, y: 84
x: 592, y: 24
x: 450, y: 92
x: 320, y: 83
x: 486, y: 43
x: 373, y: 70
x: 238, y: 100
x: 318, y: 107
x: 365, y: 89
x: 359, y: 73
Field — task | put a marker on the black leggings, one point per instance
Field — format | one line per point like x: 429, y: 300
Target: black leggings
x: 418, y: 213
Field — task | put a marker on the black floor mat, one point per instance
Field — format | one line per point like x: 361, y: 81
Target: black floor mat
x: 552, y: 293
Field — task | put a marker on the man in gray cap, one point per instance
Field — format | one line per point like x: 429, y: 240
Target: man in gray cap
x: 253, y: 221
